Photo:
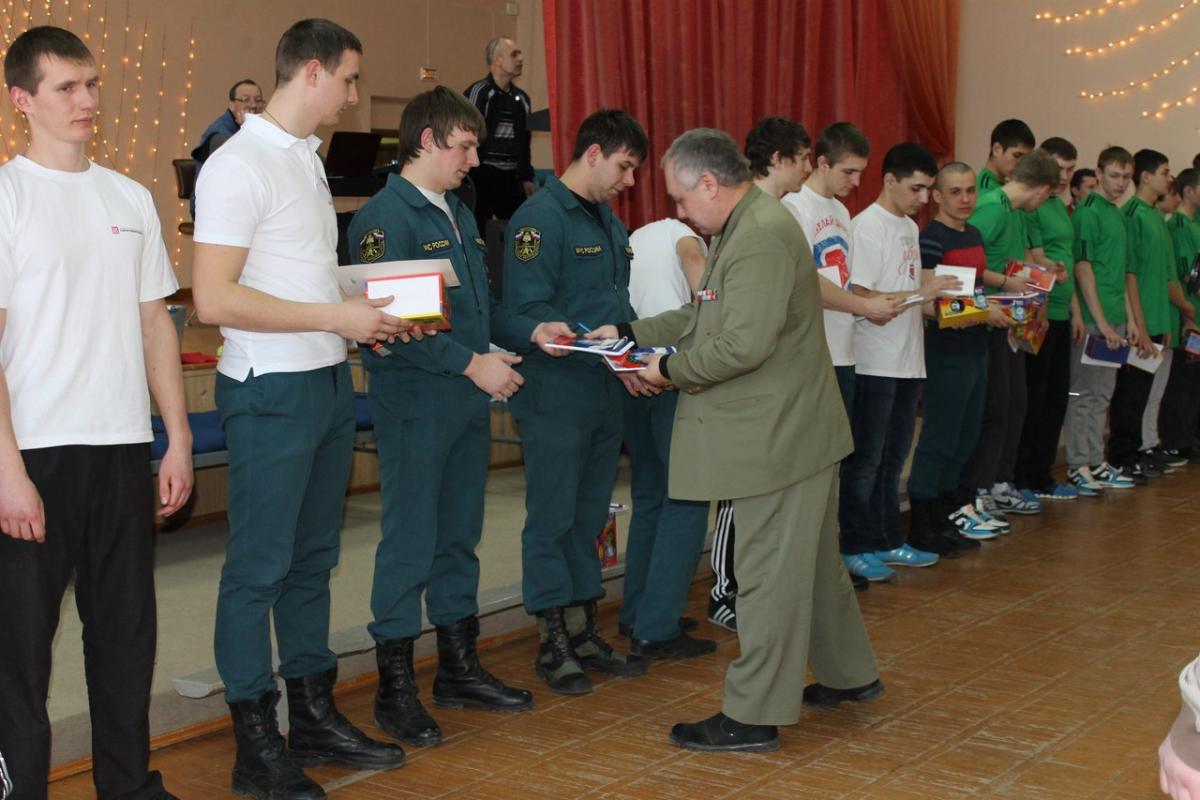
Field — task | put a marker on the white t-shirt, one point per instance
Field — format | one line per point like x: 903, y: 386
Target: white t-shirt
x: 887, y: 258
x: 265, y: 190
x: 79, y: 251
x: 826, y: 225
x: 439, y: 200
x: 656, y: 279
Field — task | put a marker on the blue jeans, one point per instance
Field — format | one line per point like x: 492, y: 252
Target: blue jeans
x: 885, y: 412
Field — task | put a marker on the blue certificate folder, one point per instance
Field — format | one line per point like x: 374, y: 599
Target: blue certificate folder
x: 1097, y: 352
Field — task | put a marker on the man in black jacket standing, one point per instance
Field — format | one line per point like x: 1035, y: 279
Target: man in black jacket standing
x: 504, y: 177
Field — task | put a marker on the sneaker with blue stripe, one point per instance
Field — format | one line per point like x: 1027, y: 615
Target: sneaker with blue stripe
x: 907, y: 556
x: 1110, y: 477
x: 1084, y: 482
x: 973, y: 526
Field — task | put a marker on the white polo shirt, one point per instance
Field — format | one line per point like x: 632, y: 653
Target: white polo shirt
x: 656, y: 279
x: 79, y: 253
x: 265, y: 190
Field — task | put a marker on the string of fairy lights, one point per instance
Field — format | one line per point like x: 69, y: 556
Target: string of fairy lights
x: 134, y: 123
x: 1160, y: 107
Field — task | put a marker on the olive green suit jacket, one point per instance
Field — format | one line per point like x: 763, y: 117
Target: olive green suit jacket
x: 759, y: 408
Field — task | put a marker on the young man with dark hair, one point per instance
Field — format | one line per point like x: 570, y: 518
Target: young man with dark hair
x: 943, y: 519
x: 1101, y: 256
x: 83, y: 255
x: 1011, y: 141
x: 429, y: 401
x: 1083, y: 183
x: 1178, y: 418
x: 889, y: 366
x: 266, y: 252
x: 568, y: 259
x: 504, y: 176
x: 998, y: 218
x: 1151, y: 264
x: 1048, y: 372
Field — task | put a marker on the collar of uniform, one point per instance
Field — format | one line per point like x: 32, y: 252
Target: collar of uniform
x: 1136, y: 204
x: 273, y: 134
x: 566, y: 198
x: 410, y: 194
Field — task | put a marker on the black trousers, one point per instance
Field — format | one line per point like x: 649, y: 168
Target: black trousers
x: 1047, y: 384
x: 1177, y: 418
x: 99, y: 527
x: 995, y: 454
x: 1125, y: 414
x: 498, y: 193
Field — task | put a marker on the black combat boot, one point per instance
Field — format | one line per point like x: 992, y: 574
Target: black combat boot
x: 556, y: 662
x: 462, y: 681
x: 262, y: 768
x: 320, y: 733
x: 590, y: 648
x: 925, y: 530
x: 397, y: 709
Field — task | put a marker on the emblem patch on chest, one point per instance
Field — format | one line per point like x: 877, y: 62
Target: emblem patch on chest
x: 527, y: 243
x: 372, y: 245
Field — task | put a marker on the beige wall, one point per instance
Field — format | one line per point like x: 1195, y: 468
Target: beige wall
x: 1013, y: 66
x: 173, y: 61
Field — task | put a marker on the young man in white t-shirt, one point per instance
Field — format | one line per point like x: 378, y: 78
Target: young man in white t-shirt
x: 83, y: 329
x: 665, y: 535
x: 889, y: 367
x: 266, y: 239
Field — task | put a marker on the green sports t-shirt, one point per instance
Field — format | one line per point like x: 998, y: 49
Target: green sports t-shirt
x: 1050, y: 226
x: 1152, y: 260
x: 1002, y: 230
x: 1185, y: 233
x: 986, y: 180
x: 1102, y: 241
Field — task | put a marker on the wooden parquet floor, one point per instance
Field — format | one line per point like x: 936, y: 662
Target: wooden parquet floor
x: 1041, y: 667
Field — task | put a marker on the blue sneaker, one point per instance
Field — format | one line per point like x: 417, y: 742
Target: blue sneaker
x: 908, y: 556
x: 986, y: 504
x: 1055, y: 491
x: 866, y: 565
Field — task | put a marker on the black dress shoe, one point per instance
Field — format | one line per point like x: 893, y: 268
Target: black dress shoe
x: 720, y: 733
x: 681, y: 646
x: 818, y: 696
x: 685, y: 624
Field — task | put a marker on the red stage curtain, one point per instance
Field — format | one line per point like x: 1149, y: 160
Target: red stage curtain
x: 925, y: 35
x: 680, y: 64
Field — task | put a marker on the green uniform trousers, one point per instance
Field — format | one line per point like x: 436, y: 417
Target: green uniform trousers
x: 434, y: 444
x: 795, y: 604
x: 665, y: 536
x: 952, y: 401
x: 291, y: 437
x: 570, y: 420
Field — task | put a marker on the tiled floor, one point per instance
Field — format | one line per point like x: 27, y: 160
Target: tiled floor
x: 1039, y: 668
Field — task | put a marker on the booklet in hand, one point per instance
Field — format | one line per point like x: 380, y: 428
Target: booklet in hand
x: 601, y: 347
x: 1035, y: 275
x: 1149, y: 364
x: 420, y: 299
x: 1097, y: 353
x: 635, y: 359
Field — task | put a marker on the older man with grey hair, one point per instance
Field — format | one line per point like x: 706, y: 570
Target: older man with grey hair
x: 504, y: 177
x: 761, y: 422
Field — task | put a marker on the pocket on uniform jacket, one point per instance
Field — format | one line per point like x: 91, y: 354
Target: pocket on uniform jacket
x: 743, y: 403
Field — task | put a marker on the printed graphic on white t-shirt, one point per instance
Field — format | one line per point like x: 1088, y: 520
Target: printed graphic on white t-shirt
x: 826, y: 225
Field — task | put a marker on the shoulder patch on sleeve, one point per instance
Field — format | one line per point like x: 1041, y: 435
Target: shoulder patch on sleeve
x: 629, y: 251
x: 527, y: 243
x: 372, y: 245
